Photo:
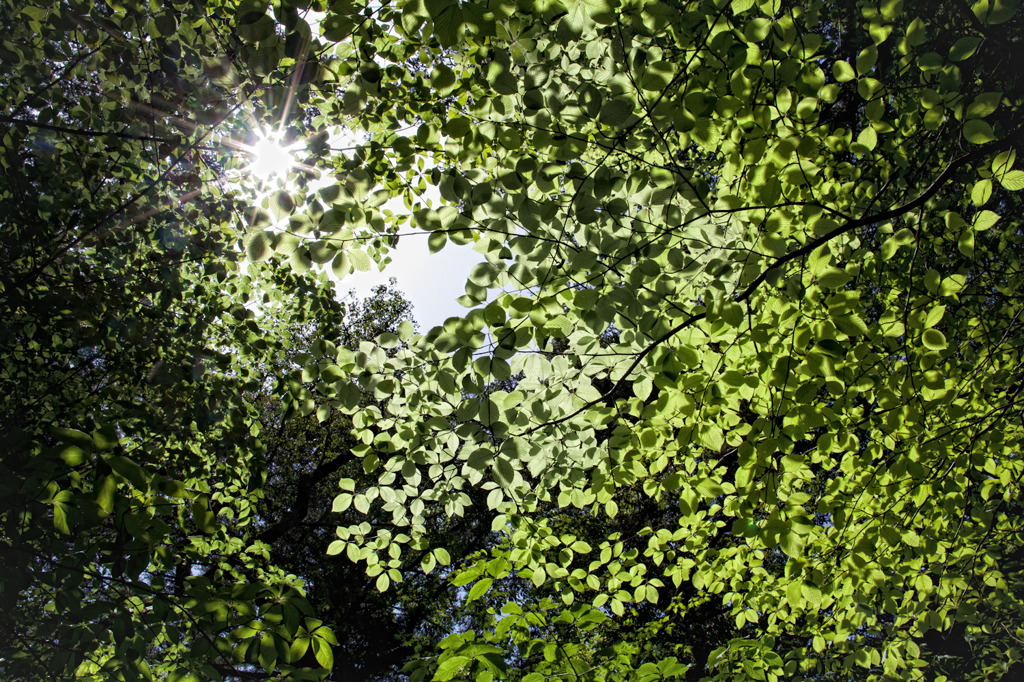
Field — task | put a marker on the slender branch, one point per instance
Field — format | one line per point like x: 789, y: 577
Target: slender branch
x: 81, y: 132
x: 300, y: 502
x: 1009, y: 141
x: 885, y: 216
x: 127, y: 203
x: 69, y: 67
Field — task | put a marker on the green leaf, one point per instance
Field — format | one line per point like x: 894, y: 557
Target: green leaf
x: 984, y: 105
x: 933, y: 339
x: 832, y: 347
x: 879, y: 31
x: 436, y: 241
x: 505, y: 83
x: 1003, y: 162
x: 128, y: 470
x: 300, y: 261
x: 448, y: 25
x: 79, y: 439
x: 60, y: 519
x: 934, y: 316
x: 875, y: 110
x: 794, y: 594
x: 205, y: 520
x: 268, y: 652
x: 360, y: 259
x: 442, y: 78
x: 792, y: 543
x: 105, y: 492
x: 174, y: 489
x: 851, y: 324
x: 843, y: 72
x: 995, y: 11
x: 1012, y: 180
x: 450, y: 667
x: 383, y: 582
x: 868, y: 137
x: 323, y: 653
x: 479, y: 589
x: 616, y: 112
x: 985, y: 219
x: 503, y: 472
x: 981, y: 192
x: 964, y: 48
x: 952, y: 285
x: 651, y: 320
x: 978, y: 132
x: 833, y: 278
x: 340, y: 266
x: 812, y: 594
x: 866, y: 60
x: 966, y: 243
x: 581, y: 12
x: 73, y: 455
x: 757, y: 29
x: 457, y: 126
x: 642, y: 388
x: 298, y: 648
x: 436, y: 7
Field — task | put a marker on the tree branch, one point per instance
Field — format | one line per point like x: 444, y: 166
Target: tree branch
x: 300, y: 503
x: 984, y: 150
x: 83, y: 133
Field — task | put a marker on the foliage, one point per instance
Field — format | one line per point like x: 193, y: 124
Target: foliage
x: 308, y: 453
x: 737, y: 389
x: 131, y: 458
x: 788, y: 214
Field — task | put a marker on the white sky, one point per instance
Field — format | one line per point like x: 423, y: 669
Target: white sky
x: 431, y: 281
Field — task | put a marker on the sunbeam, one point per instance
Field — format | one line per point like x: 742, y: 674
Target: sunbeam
x: 270, y: 159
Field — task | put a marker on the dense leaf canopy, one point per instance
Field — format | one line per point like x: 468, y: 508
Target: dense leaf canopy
x: 736, y: 394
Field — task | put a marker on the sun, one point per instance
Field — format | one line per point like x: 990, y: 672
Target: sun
x: 271, y: 158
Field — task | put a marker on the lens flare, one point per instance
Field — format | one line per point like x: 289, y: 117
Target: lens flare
x: 270, y: 158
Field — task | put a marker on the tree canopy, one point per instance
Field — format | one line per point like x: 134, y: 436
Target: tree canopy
x: 736, y: 394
